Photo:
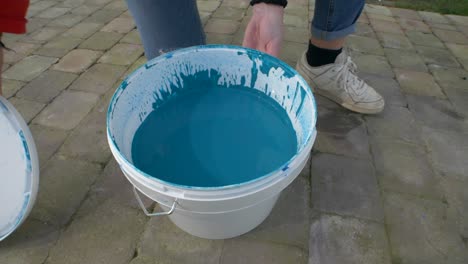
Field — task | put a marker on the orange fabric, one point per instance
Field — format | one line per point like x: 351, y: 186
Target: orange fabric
x: 13, y: 16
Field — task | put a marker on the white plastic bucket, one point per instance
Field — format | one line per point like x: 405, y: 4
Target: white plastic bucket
x: 212, y: 212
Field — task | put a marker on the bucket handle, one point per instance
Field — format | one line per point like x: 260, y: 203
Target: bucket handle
x: 140, y: 202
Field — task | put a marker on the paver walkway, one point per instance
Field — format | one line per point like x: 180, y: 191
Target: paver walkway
x: 390, y: 188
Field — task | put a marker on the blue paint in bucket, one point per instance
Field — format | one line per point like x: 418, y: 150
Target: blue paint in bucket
x: 207, y: 135
x: 228, y: 67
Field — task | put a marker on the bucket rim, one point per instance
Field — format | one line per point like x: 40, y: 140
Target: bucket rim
x: 179, y: 52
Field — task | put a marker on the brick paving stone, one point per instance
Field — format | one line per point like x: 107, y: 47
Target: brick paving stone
x: 433, y: 18
x: 213, y: 38
x: 163, y: 242
x: 347, y: 138
x: 295, y: 21
x: 82, y: 30
x: 457, y: 199
x: 10, y: 87
x: 67, y: 20
x: 47, y: 140
x: 117, y: 5
x: 77, y: 60
x: 372, y: 17
x: 132, y: 37
x: 18, y: 51
x: 387, y: 87
x: 47, y: 86
x: 28, y: 109
x: 67, y: 110
x: 292, y: 51
x: 221, y: 26
x: 424, y: 39
x: 97, y: 2
x: 295, y: 34
x: 53, y: 12
x: 36, y: 23
x: 99, y: 78
x: 373, y: 64
x: 241, y: 4
x: 29, y: 68
x: 462, y: 20
x: 362, y: 18
x: 448, y: 151
x: 119, y: 25
x: 404, y: 167
x: 388, y: 126
x: 454, y: 83
x: 122, y: 54
x: 204, y: 16
x: 451, y: 36
x: 142, y: 60
x: 41, y: 5
x: 72, y: 3
x: 418, y: 83
x: 405, y: 13
x: 58, y: 47
x: 364, y: 44
x: 241, y: 250
x: 286, y: 224
x: 413, y: 25
x: 63, y: 185
x: 296, y: 10
x: 394, y: 41
x: 436, y: 56
x: 386, y: 26
x: 420, y: 231
x: 102, y: 16
x: 345, y: 186
x: 229, y: 13
x: 85, y: 10
x: 83, y: 240
x: 436, y: 113
x: 364, y: 30
x: 405, y: 60
x: 207, y: 6
x: 462, y: 29
x: 30, y: 243
x: 44, y: 34
x: 443, y: 26
x: 377, y: 9
x: 335, y: 239
x: 101, y: 41
x: 460, y: 51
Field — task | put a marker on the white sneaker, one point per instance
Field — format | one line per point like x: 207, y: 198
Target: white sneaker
x: 338, y: 81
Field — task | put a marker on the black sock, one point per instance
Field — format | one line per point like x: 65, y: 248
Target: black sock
x: 317, y: 56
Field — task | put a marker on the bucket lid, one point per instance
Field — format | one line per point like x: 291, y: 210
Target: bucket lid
x: 19, y: 169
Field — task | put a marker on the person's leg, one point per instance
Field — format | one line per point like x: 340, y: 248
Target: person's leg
x: 328, y: 70
x: 166, y: 25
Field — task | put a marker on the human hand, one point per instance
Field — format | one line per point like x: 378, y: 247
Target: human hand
x: 265, y: 29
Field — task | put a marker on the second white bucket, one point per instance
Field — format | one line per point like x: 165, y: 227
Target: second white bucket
x: 213, y: 212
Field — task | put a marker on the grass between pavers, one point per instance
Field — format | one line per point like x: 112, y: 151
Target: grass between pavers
x: 457, y: 7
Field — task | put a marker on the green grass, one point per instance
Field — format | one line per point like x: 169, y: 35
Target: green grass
x: 458, y: 7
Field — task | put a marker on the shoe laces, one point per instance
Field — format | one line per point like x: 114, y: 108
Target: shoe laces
x: 347, y: 73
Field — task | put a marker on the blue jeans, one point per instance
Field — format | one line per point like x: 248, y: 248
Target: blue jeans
x: 165, y: 25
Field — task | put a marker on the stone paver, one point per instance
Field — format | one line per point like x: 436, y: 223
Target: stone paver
x: 345, y: 186
x: 47, y: 86
x: 28, y: 109
x: 418, y: 83
x: 64, y: 184
x: 77, y: 60
x: 385, y: 188
x: 101, y: 41
x: 335, y: 239
x: 420, y: 232
x: 58, y: 47
x: 47, y: 140
x: 29, y: 68
x: 405, y: 60
x: 67, y: 110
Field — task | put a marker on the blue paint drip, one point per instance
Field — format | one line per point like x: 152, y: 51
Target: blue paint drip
x: 204, y: 135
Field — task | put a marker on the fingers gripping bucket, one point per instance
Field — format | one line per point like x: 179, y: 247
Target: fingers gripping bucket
x: 212, y: 212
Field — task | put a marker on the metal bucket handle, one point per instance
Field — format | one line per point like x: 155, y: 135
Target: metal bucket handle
x: 140, y: 202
